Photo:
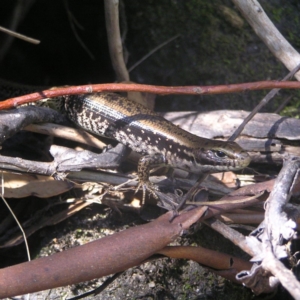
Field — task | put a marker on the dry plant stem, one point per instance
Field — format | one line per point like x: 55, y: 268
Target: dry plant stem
x: 154, y: 89
x: 268, y: 33
x: 114, y: 39
x: 261, y: 104
x: 108, y: 255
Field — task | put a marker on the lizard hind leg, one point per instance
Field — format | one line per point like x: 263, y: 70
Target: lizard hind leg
x: 145, y: 164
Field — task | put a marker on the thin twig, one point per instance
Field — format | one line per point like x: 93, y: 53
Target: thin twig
x: 72, y: 21
x: 283, y: 104
x: 261, y: 104
x: 99, y: 289
x: 20, y: 10
x: 20, y: 36
x: 153, y: 51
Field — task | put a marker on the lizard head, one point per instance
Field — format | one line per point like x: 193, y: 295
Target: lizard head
x: 220, y: 156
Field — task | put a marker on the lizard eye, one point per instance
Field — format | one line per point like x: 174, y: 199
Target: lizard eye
x: 220, y: 154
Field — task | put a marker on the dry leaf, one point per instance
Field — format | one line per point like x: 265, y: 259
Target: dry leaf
x: 18, y: 185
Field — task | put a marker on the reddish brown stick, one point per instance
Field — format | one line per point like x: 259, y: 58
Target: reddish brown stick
x: 228, y: 264
x: 162, y: 90
x: 207, y: 257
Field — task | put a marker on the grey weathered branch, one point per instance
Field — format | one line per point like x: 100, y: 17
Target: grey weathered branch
x: 279, y: 223
x: 280, y: 226
x: 15, y: 120
x: 66, y: 160
x: 268, y: 33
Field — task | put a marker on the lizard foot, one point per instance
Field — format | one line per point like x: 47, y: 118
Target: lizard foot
x: 147, y: 186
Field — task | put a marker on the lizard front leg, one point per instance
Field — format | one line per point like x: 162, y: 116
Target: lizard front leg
x: 145, y: 165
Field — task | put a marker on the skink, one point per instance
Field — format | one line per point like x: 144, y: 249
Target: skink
x: 146, y: 132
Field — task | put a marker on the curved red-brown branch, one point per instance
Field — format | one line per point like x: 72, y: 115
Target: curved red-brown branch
x: 154, y: 89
